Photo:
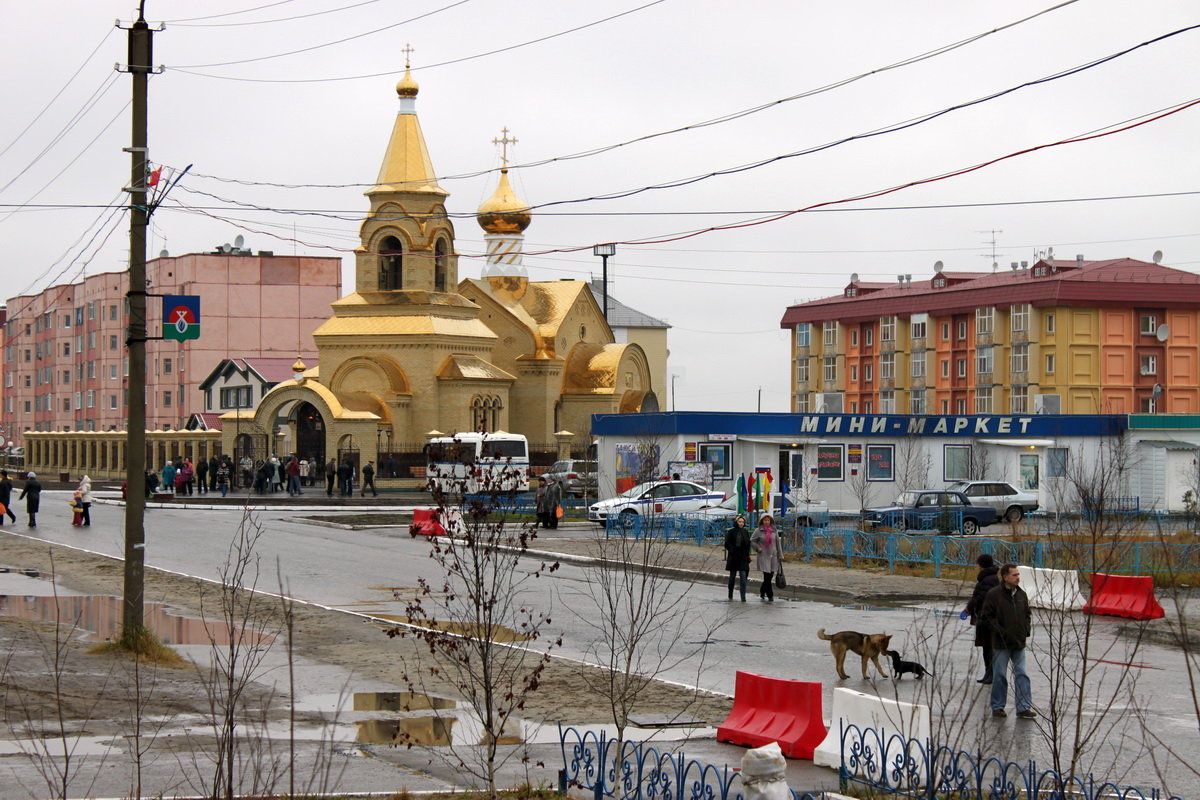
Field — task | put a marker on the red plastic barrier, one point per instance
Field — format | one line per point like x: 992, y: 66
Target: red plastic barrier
x: 426, y: 523
x: 780, y: 710
x: 1123, y: 596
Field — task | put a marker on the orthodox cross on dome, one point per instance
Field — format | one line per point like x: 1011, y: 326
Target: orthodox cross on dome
x: 408, y: 51
x: 504, y: 141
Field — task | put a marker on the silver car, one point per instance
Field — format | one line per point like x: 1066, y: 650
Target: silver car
x: 577, y: 478
x: 1011, y: 504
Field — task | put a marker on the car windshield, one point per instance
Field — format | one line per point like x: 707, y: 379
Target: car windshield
x: 907, y: 498
x: 636, y: 491
x: 729, y: 503
x: 959, y: 486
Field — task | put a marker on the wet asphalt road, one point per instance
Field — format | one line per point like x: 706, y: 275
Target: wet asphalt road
x: 358, y: 571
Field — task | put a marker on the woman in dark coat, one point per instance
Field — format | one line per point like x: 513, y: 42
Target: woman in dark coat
x: 32, y: 495
x: 987, y: 579
x: 737, y: 555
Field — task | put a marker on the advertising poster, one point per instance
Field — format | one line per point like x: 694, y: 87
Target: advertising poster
x: 700, y: 472
x: 829, y: 462
x: 636, y: 463
x: 879, y: 463
x: 718, y: 455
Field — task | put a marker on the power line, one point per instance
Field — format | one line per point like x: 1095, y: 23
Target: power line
x: 267, y: 21
x: 231, y: 13
x: 681, y: 129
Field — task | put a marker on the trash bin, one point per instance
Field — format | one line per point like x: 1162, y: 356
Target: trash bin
x: 65, y: 477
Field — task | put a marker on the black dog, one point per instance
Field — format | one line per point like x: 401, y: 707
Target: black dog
x: 900, y: 667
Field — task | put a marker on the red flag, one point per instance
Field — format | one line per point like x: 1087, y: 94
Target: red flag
x: 155, y: 175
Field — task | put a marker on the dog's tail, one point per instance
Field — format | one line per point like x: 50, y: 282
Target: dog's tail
x: 821, y: 634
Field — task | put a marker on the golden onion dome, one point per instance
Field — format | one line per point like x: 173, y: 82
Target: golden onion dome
x: 407, y: 86
x: 299, y: 366
x: 503, y: 212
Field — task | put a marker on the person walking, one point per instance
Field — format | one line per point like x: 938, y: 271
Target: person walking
x: 767, y: 544
x: 539, y: 503
x: 553, y: 501
x: 84, y: 490
x: 6, y: 490
x: 1006, y: 612
x: 222, y: 478
x: 31, y: 493
x: 369, y: 479
x: 293, y: 477
x: 987, y: 579
x: 331, y: 471
x: 737, y: 555
x: 345, y: 474
x: 202, y: 476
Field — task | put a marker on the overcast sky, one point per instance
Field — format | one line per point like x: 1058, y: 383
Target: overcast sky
x: 632, y: 69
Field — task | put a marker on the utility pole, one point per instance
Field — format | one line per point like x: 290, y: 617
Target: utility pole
x: 139, y: 67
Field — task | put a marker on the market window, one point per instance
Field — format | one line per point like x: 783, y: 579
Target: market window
x: 1056, y: 462
x: 956, y: 462
x: 880, y: 461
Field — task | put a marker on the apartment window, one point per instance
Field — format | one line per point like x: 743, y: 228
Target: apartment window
x: 127, y: 367
x: 802, y: 403
x: 28, y: 381
x: 79, y: 399
x: 91, y: 340
x: 91, y: 369
x: 960, y: 406
x: 945, y: 331
x: 887, y: 366
x: 854, y: 373
x: 803, y: 334
x: 112, y: 402
x: 91, y: 310
x: 802, y: 375
x: 27, y: 404
x: 79, y: 316
x: 66, y: 404
x: 830, y: 368
x: 961, y: 367
x: 91, y: 398
x: 887, y: 329
x: 868, y: 337
x: 166, y: 398
x: 1019, y: 317
x: 114, y: 342
x: 829, y: 333
x: 1049, y: 322
x: 916, y: 402
x: 961, y: 331
x: 887, y: 402
x: 868, y: 373
x: 983, y: 360
x: 167, y: 366
x: 1018, y: 400
x: 112, y: 311
x: 112, y: 372
x: 983, y: 400
x: 916, y: 364
x: 1149, y: 365
x: 984, y: 320
x: 1049, y: 363
x: 79, y: 371
x: 66, y: 376
x: 945, y: 368
x: 854, y: 338
x: 66, y: 320
x: 867, y: 406
x: 27, y: 354
x: 8, y: 380
x: 916, y: 326
x: 1020, y: 358
x: 1149, y: 324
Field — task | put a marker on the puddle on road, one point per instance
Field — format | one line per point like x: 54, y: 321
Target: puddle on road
x: 98, y: 618
x: 78, y: 746
x: 501, y: 633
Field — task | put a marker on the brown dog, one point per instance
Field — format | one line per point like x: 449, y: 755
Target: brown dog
x: 868, y: 645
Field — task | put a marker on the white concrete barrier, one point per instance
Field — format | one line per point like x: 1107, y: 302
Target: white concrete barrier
x: 1056, y: 589
x: 884, y: 728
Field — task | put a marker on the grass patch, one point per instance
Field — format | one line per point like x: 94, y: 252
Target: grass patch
x: 143, y: 645
x: 390, y: 518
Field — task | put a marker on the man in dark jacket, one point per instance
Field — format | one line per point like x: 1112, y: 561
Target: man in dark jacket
x: 1006, y: 611
x: 331, y: 473
x: 202, y: 476
x: 6, y: 487
x: 368, y: 473
x: 345, y: 474
x: 32, y: 495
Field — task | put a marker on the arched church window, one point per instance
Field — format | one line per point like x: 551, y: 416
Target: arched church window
x: 441, y: 265
x: 391, y: 264
x: 485, y: 414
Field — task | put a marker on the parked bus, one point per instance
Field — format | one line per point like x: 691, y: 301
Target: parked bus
x: 470, y: 463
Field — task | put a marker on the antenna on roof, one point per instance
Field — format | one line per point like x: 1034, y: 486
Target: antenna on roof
x: 938, y: 266
x: 995, y: 266
x: 239, y: 241
x: 1158, y: 256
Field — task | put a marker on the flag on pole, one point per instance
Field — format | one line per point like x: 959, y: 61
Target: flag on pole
x: 786, y: 489
x: 758, y: 492
x: 155, y: 176
x: 750, y: 493
x: 741, y: 494
x: 767, y: 480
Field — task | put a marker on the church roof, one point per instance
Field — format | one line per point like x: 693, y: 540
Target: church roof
x: 592, y: 368
x: 407, y: 166
x: 621, y: 315
x: 469, y: 367
x: 407, y: 325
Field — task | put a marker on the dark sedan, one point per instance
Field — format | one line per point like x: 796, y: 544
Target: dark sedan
x: 931, y: 509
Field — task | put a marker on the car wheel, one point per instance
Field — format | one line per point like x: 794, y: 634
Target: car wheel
x: 970, y: 527
x: 627, y: 519
x: 1014, y: 514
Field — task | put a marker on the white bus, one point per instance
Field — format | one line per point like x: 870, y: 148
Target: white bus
x: 471, y: 463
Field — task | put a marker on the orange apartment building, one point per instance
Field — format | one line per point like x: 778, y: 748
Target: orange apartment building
x: 64, y: 359
x: 1069, y: 337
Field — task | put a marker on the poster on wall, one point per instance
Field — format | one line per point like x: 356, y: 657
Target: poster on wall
x: 879, y: 462
x: 719, y: 455
x: 829, y: 462
x: 636, y: 463
x: 700, y: 472
x: 689, y: 451
x: 854, y: 454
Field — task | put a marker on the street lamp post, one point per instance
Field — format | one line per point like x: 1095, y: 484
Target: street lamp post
x: 604, y: 251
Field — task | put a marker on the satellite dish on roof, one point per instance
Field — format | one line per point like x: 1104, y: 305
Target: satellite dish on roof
x: 854, y: 277
x: 163, y: 254
x: 1162, y: 333
x: 1158, y: 256
x: 239, y: 241
x: 938, y: 266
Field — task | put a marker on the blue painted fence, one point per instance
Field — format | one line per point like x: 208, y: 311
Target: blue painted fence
x: 876, y: 760
x: 850, y: 545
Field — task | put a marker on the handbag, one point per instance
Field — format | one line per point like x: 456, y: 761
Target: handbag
x: 558, y: 512
x: 780, y: 581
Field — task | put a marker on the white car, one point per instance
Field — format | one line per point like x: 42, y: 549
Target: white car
x: 655, y: 497
x: 1011, y: 504
x: 806, y: 514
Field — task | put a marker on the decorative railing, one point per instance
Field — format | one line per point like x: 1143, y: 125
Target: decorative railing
x: 613, y: 769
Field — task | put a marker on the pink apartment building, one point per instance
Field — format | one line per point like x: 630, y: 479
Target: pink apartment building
x: 64, y: 348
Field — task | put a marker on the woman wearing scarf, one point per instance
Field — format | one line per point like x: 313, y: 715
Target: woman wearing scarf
x: 766, y: 543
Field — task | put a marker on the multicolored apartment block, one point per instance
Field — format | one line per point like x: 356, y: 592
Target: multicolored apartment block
x: 1058, y: 337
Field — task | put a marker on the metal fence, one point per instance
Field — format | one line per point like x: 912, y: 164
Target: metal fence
x: 612, y: 769
x: 875, y: 760
x: 851, y: 546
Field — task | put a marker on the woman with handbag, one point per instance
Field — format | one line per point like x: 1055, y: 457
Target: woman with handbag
x: 767, y: 544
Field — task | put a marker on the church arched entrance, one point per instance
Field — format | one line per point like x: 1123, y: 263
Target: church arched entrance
x: 310, y: 432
